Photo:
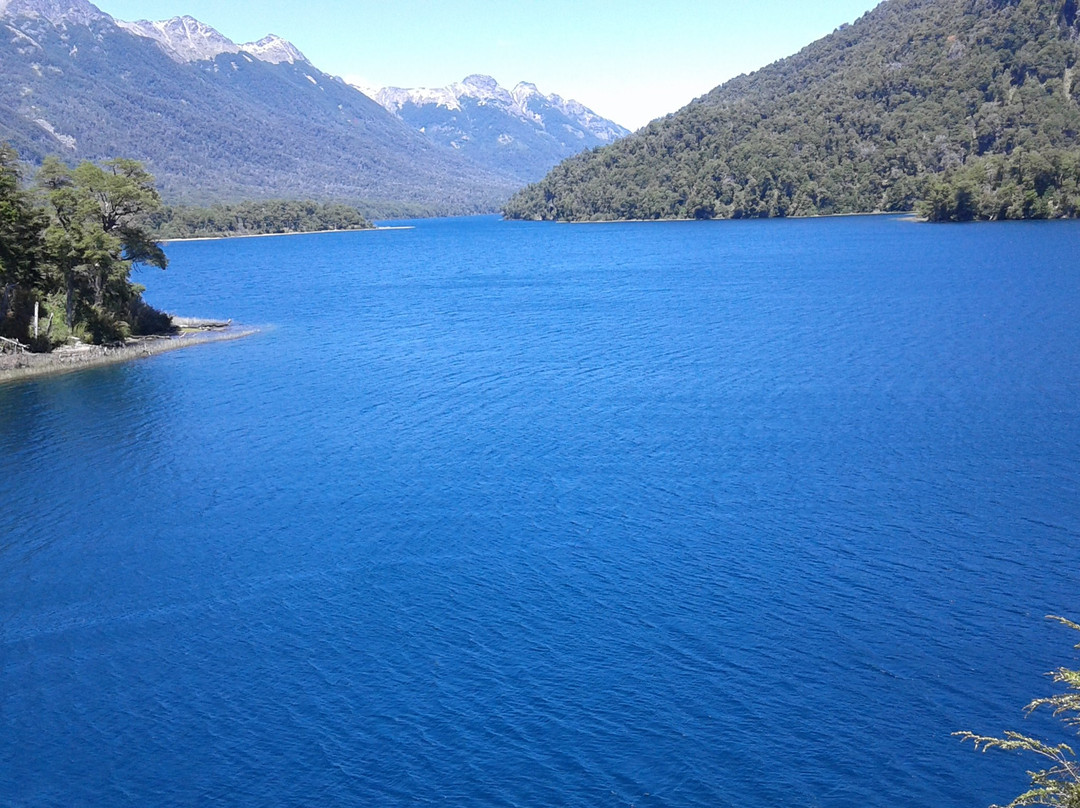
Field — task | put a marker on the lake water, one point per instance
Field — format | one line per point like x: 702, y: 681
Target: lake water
x: 745, y: 514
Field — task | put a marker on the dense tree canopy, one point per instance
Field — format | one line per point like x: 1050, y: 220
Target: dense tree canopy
x: 21, y: 246
x: 1020, y: 185
x: 71, y: 248
x: 866, y: 119
x: 98, y: 232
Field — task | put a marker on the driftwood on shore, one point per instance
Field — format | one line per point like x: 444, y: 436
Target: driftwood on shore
x: 12, y: 346
x: 184, y: 323
x: 19, y: 363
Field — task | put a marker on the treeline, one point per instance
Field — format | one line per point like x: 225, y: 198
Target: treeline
x: 68, y: 245
x: 870, y: 118
x: 255, y: 218
x: 1021, y: 185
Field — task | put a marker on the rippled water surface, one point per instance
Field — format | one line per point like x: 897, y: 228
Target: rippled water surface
x: 742, y: 514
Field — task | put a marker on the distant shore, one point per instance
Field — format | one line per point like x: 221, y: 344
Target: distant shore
x: 66, y: 359
x: 910, y: 215
x: 290, y: 233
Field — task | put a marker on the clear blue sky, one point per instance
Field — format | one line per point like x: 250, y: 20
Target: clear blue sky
x: 630, y: 61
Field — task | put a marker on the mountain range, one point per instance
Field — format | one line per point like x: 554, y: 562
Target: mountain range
x: 218, y: 121
x: 973, y: 105
x: 521, y: 131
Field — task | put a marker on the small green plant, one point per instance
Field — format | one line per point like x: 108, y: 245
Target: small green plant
x: 1059, y: 785
x: 104, y: 327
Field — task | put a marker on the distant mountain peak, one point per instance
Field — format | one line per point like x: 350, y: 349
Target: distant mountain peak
x: 482, y: 89
x: 525, y: 89
x: 275, y: 50
x: 521, y: 131
x: 525, y: 101
x: 58, y: 12
x: 481, y: 83
x: 187, y: 39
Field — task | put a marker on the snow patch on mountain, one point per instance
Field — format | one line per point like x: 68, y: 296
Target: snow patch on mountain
x: 598, y: 126
x: 58, y: 12
x: 19, y: 36
x: 275, y: 50
x: 186, y: 39
x: 394, y: 98
x: 67, y: 141
x: 525, y: 101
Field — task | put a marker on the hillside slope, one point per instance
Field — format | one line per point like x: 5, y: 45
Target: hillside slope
x: 865, y: 119
x: 237, y: 126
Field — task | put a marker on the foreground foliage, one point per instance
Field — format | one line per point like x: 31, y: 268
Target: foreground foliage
x: 68, y: 247
x: 1059, y: 785
x: 916, y: 100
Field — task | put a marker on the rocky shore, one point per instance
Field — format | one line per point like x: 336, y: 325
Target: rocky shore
x: 16, y: 363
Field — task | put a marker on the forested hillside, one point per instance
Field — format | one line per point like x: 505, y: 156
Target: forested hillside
x: 973, y: 102
x: 75, y: 84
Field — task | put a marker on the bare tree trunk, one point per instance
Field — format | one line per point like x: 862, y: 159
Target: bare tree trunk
x: 5, y: 301
x: 99, y: 287
x: 69, y: 308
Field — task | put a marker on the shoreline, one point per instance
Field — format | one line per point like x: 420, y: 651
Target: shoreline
x: 231, y: 236
x: 22, y: 366
x: 744, y: 219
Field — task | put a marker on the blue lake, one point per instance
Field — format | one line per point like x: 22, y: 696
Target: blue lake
x: 745, y: 514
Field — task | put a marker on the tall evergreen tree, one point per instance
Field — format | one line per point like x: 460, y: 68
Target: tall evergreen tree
x: 21, y: 226
x: 99, y: 231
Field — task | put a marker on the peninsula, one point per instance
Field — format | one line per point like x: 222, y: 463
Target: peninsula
x: 67, y: 249
x: 256, y: 218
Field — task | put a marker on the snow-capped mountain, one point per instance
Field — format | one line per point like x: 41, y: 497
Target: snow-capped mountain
x: 533, y: 102
x: 524, y: 101
x: 186, y: 39
x: 214, y: 120
x: 522, y: 131
x: 219, y: 120
x: 275, y: 50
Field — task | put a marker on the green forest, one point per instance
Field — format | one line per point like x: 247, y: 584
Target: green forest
x: 68, y: 246
x: 255, y: 218
x: 960, y: 109
x: 1019, y: 185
